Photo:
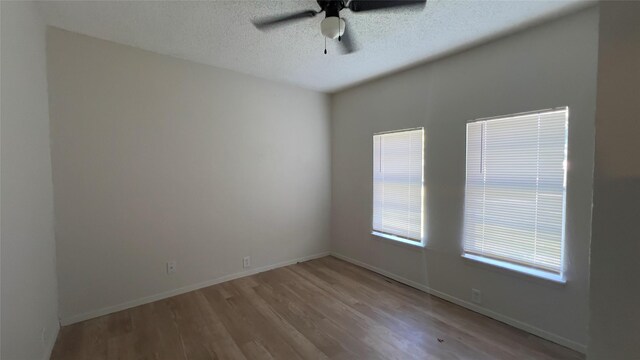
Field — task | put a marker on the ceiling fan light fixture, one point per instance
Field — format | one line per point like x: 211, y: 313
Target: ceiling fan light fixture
x: 332, y: 27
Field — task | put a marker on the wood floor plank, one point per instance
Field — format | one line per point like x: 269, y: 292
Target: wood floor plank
x: 299, y: 342
x: 513, y: 343
x: 374, y: 334
x: 328, y: 325
x: 412, y: 321
x: 331, y: 340
x: 321, y: 309
x: 412, y: 329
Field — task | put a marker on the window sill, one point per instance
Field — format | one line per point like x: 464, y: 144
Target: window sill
x: 398, y: 239
x: 556, y: 278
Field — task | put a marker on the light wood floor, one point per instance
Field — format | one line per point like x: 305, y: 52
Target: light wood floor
x: 324, y: 308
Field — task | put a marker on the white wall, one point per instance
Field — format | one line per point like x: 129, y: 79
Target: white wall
x: 544, y: 67
x: 29, y: 296
x: 614, y: 326
x: 157, y: 159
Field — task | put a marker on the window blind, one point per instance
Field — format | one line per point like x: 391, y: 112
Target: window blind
x: 397, y: 184
x: 515, y: 189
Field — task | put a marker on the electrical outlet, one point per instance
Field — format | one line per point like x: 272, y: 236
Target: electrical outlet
x: 246, y: 262
x: 171, y: 267
x: 476, y: 296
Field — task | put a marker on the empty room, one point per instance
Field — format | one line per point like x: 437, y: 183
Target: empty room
x: 320, y: 179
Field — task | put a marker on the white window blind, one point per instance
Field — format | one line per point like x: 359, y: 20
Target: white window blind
x: 515, y: 189
x: 397, y: 184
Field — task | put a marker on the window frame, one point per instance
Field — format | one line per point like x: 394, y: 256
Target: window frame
x: 392, y: 237
x: 510, y: 266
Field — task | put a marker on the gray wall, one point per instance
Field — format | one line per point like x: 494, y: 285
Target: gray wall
x: 544, y: 67
x: 158, y: 159
x: 614, y: 326
x: 29, y: 296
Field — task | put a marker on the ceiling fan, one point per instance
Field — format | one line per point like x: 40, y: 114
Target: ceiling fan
x: 333, y: 25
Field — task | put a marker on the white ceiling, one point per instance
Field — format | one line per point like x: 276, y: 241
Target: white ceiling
x: 219, y: 33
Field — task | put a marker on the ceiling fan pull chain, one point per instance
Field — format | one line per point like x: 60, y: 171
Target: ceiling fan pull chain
x: 325, y: 45
x: 339, y: 27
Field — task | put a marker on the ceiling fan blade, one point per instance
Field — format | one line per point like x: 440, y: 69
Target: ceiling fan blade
x: 368, y: 5
x: 265, y: 23
x: 346, y: 41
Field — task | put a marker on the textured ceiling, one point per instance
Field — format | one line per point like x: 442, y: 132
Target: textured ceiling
x: 219, y: 33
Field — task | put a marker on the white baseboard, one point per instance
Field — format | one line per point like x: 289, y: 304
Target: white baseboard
x: 163, y: 295
x: 50, y: 343
x: 148, y: 299
x: 471, y: 306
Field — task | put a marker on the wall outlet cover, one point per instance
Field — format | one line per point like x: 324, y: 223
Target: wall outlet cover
x: 476, y: 296
x: 171, y: 267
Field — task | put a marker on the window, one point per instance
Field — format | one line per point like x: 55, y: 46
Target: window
x: 397, y: 185
x: 515, y: 192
